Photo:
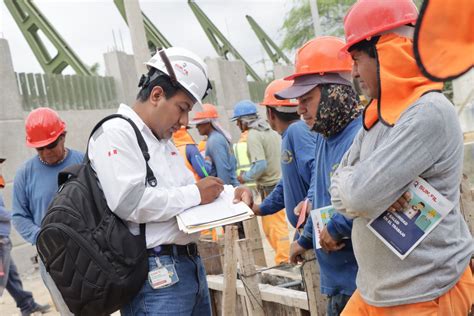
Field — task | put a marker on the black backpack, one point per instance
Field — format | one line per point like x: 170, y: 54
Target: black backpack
x: 94, y: 260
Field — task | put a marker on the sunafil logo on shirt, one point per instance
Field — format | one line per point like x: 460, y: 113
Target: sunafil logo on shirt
x: 286, y: 156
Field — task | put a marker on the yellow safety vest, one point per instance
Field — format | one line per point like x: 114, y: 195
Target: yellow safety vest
x: 242, y: 157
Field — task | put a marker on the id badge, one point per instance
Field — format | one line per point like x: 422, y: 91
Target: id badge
x: 163, y: 276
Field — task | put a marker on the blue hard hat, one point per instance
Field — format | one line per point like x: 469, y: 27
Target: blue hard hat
x: 244, y: 108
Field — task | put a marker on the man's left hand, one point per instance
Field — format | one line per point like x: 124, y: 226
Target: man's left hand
x: 241, y: 179
x: 328, y: 243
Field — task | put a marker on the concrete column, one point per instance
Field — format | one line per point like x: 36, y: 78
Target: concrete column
x: 121, y: 66
x: 137, y: 34
x: 12, y: 131
x: 281, y: 71
x: 230, y: 83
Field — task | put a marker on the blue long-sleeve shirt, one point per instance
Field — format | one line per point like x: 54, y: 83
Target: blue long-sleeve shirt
x: 339, y: 268
x: 224, y: 163
x: 297, y: 158
x: 196, y: 160
x: 33, y: 189
x: 256, y: 170
x: 5, y: 217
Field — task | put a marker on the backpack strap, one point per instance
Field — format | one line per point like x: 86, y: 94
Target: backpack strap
x: 150, y: 177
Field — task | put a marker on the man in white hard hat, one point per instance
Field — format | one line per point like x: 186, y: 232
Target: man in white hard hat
x: 177, y: 80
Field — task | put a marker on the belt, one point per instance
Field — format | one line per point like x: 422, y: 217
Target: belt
x: 190, y: 250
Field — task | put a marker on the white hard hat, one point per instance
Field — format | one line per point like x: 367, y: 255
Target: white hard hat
x: 189, y: 70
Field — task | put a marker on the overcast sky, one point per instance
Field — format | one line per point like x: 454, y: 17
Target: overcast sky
x: 87, y: 26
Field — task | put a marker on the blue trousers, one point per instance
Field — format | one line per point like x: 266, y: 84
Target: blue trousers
x: 190, y: 296
x: 11, y: 279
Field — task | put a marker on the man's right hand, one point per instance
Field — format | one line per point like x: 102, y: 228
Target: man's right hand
x: 401, y: 204
x: 210, y: 188
x: 243, y: 194
x: 299, y: 207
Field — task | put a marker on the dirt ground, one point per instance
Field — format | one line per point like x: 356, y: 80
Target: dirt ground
x: 32, y: 282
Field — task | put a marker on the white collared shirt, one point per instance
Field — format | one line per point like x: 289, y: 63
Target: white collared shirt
x: 118, y: 161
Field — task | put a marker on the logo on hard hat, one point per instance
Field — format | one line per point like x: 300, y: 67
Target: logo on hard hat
x: 182, y: 69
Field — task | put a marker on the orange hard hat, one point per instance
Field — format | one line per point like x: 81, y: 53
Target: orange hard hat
x: 367, y: 18
x: 275, y: 87
x: 319, y: 56
x: 208, y: 112
x: 43, y: 126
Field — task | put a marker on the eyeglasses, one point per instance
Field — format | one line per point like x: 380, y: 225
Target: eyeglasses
x: 50, y: 146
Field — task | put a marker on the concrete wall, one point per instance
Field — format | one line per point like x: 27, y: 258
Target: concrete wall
x: 281, y: 71
x: 231, y: 85
x: 121, y: 66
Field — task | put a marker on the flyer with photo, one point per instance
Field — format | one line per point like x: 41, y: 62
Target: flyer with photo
x: 402, y: 231
x: 321, y: 217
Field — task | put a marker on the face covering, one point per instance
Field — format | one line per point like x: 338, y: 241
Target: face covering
x: 339, y: 105
x: 400, y: 81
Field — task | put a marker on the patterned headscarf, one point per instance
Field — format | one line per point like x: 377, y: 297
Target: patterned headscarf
x: 339, y: 105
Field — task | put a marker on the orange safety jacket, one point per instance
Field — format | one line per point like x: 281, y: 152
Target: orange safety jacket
x: 181, y: 139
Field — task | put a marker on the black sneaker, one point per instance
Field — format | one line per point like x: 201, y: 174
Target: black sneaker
x: 37, y: 308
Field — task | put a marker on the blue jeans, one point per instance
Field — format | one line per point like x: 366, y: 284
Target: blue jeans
x: 11, y: 279
x: 189, y: 296
x: 336, y: 304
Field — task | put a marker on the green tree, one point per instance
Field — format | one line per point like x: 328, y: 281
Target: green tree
x: 298, y: 25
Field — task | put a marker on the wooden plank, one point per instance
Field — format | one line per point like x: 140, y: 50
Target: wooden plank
x: 211, y: 255
x: 469, y: 138
x: 229, y: 300
x: 249, y: 277
x: 269, y: 293
x: 467, y: 203
x: 280, y: 273
x: 311, y: 277
x: 252, y: 232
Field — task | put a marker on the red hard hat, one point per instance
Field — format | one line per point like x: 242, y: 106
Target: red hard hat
x: 367, y: 18
x: 321, y: 55
x: 43, y: 126
x: 275, y: 87
x: 208, y: 112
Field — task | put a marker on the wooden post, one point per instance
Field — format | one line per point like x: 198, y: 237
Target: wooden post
x: 467, y: 203
x: 229, y: 295
x: 252, y: 233
x: 249, y: 278
x: 311, y: 277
